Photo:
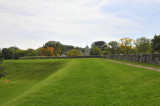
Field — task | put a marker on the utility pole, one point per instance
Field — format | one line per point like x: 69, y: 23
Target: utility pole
x: 13, y: 52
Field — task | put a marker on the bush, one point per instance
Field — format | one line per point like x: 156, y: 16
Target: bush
x: 2, y: 68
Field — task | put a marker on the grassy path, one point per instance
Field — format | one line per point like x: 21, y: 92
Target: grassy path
x: 92, y: 82
x: 156, y: 66
x: 135, y: 65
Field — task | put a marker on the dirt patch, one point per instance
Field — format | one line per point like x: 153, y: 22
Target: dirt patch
x: 6, y: 81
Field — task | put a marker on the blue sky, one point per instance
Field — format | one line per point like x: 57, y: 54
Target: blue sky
x: 31, y: 23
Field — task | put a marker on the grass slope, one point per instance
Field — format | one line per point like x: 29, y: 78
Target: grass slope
x: 89, y: 82
x: 24, y: 74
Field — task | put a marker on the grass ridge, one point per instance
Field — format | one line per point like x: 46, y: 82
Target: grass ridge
x: 35, y: 86
x: 39, y: 85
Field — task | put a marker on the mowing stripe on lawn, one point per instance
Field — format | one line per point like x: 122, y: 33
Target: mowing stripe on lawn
x: 94, y: 82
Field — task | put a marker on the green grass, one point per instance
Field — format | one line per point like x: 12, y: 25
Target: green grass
x: 24, y: 74
x: 72, y: 82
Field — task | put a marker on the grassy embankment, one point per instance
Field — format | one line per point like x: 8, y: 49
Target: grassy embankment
x: 78, y: 82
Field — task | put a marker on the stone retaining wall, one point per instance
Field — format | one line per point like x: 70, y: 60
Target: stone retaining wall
x: 50, y: 57
x: 143, y: 58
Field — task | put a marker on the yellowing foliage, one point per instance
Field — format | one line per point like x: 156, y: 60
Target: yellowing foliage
x: 48, y: 51
x: 127, y: 45
x: 73, y: 52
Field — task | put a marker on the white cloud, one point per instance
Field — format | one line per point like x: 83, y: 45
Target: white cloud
x: 65, y: 20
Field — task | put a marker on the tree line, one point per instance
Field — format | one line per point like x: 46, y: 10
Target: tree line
x: 55, y: 48
x: 141, y: 45
x: 51, y: 48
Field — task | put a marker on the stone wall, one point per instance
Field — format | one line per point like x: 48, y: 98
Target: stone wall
x: 143, y: 58
x: 51, y: 57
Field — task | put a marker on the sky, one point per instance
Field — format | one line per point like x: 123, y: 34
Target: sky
x: 32, y: 23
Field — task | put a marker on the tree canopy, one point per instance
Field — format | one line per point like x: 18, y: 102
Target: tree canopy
x: 96, y: 51
x: 73, y: 52
x: 48, y: 51
x: 56, y: 45
x: 156, y: 43
x: 143, y: 45
x: 99, y: 44
x: 114, y: 47
x: 127, y: 45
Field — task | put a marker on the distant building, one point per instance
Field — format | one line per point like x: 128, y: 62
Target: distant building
x: 86, y: 51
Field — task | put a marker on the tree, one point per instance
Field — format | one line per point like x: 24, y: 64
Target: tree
x: 39, y: 51
x: 0, y: 53
x: 19, y: 53
x: 73, y: 52
x: 96, y: 51
x: 79, y: 48
x: 56, y: 45
x: 156, y: 43
x: 114, y: 47
x: 2, y: 68
x: 66, y: 48
x: 7, y: 53
x: 13, y: 48
x: 99, y: 44
x: 48, y: 51
x: 143, y: 45
x: 127, y: 45
x: 12, y: 53
x: 31, y: 52
x: 107, y: 51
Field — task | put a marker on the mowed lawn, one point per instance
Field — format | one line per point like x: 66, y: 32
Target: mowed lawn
x: 72, y: 82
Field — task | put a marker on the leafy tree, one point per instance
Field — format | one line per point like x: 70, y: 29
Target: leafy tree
x: 7, y: 53
x: 2, y: 68
x: 39, y: 51
x: 19, y: 53
x: 31, y: 52
x: 156, y: 43
x: 73, y: 52
x: 107, y: 50
x: 95, y: 51
x: 48, y: 51
x: 127, y: 45
x: 79, y: 48
x: 0, y: 53
x: 13, y: 48
x: 66, y: 48
x: 143, y: 45
x: 56, y: 45
x: 114, y: 47
x: 99, y: 44
x: 11, y: 53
